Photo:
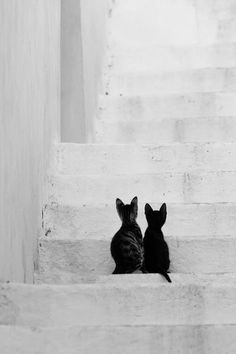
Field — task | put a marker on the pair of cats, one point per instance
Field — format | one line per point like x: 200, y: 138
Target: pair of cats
x: 132, y: 252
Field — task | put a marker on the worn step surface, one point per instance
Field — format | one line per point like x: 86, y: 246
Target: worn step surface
x: 198, y: 80
x: 177, y: 278
x: 98, y: 221
x: 167, y: 131
x: 139, y: 278
x: 156, y: 58
x: 64, y: 260
x: 211, y: 187
x: 110, y: 304
x: 100, y: 159
x: 176, y: 339
x: 158, y: 107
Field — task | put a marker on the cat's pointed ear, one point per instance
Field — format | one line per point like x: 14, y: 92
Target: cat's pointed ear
x: 134, y: 204
x: 119, y: 204
x: 163, y: 212
x: 148, y: 208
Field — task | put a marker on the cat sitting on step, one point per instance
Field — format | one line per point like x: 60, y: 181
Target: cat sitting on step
x: 127, y: 243
x: 156, y: 252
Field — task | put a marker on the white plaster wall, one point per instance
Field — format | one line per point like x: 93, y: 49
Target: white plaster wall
x: 29, y: 125
x: 72, y: 89
x: 83, y: 45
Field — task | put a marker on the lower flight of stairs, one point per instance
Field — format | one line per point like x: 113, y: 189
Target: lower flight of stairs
x: 121, y: 314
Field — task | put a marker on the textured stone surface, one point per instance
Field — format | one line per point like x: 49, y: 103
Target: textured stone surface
x: 64, y: 260
x: 215, y: 339
x: 157, y: 107
x: 117, y: 304
x: 100, y: 159
x: 167, y: 131
x: 102, y: 221
x: 177, y: 278
x: 140, y: 278
x: 156, y: 58
x: 212, y: 187
x: 195, y: 80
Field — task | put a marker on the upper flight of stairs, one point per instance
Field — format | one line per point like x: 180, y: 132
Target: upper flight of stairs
x: 165, y: 131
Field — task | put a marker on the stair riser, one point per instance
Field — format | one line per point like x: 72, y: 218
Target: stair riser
x: 121, y: 159
x: 175, y: 188
x: 99, y: 222
x: 157, y: 107
x: 62, y: 261
x: 117, y: 305
x: 159, y: 59
x: 116, y: 340
x: 168, y: 131
x: 205, y: 80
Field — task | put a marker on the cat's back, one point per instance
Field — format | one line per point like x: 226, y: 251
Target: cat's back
x: 127, y: 248
x: 127, y: 235
x: 153, y: 237
x: 155, y: 248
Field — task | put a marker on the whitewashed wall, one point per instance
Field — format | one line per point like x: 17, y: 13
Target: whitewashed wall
x: 83, y: 45
x: 29, y: 125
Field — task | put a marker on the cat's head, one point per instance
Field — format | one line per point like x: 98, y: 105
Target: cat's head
x: 127, y: 212
x: 156, y: 218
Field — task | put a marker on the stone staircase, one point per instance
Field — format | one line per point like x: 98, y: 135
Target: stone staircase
x: 166, y: 132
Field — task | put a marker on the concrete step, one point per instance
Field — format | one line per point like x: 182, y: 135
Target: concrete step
x: 64, y: 260
x: 158, y: 107
x: 176, y: 339
x: 102, y: 221
x: 140, y: 278
x: 117, y: 304
x: 98, y: 159
x: 156, y: 58
x: 181, y: 22
x: 166, y: 131
x: 177, y: 278
x: 197, y: 80
x: 211, y: 187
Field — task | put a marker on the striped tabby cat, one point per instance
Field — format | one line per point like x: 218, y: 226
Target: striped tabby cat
x: 127, y: 243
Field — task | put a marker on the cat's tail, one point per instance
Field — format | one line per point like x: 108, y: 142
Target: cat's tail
x: 165, y: 275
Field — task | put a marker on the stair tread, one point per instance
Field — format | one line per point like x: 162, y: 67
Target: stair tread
x: 186, y: 187
x: 215, y: 338
x: 146, y: 158
x: 65, y: 260
x: 145, y: 279
x: 110, y: 303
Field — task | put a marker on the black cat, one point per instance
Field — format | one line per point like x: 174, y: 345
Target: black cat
x: 127, y: 243
x: 156, y: 252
